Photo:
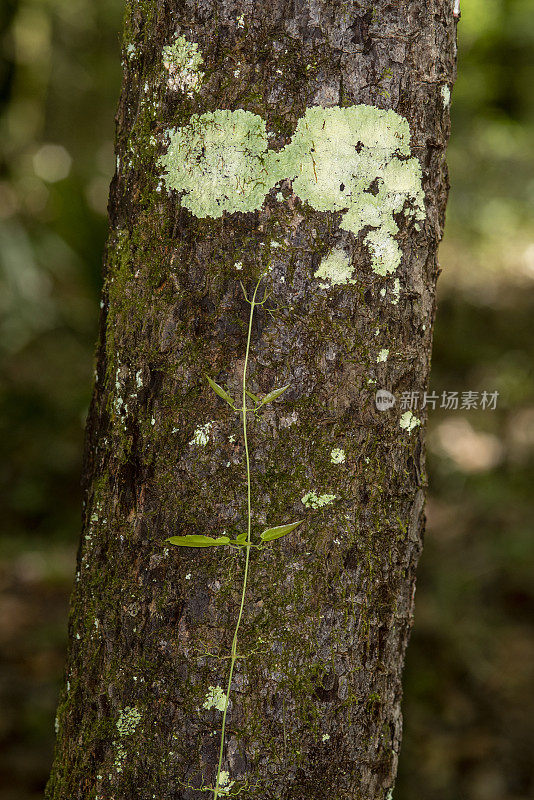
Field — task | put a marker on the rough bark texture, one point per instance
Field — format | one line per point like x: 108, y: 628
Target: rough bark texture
x: 329, y: 607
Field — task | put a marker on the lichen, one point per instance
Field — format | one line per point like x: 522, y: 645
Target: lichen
x: 218, y: 161
x: 120, y: 756
x: 408, y: 421
x: 128, y: 721
x: 215, y: 698
x: 201, y: 435
x: 182, y: 61
x: 313, y: 500
x: 446, y: 95
x: 225, y: 784
x: 386, y: 253
x: 354, y: 159
x: 337, y: 456
x: 396, y: 292
x: 382, y: 356
x: 336, y: 268
x: 334, y: 158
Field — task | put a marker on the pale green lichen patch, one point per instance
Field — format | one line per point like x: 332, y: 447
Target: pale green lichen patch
x: 334, y: 158
x: 337, y: 456
x: 201, y: 435
x: 355, y: 160
x: 314, y: 500
x: 215, y: 698
x: 225, y: 784
x: 219, y: 162
x: 335, y: 268
x: 446, y: 95
x: 408, y: 421
x: 120, y: 756
x: 128, y: 721
x: 382, y: 356
x: 386, y: 253
x: 183, y: 61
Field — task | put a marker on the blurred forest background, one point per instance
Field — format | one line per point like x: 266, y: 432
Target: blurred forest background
x: 469, y: 699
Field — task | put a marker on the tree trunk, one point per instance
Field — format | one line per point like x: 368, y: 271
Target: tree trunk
x: 336, y: 208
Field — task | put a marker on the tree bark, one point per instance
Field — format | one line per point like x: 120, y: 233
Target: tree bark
x: 314, y: 709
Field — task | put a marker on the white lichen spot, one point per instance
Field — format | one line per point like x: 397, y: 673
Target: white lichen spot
x: 446, y: 95
x: 130, y: 51
x: 238, y: 265
x: 139, y: 379
x: 336, y: 268
x: 291, y: 419
x: 188, y: 576
x: 153, y: 421
x: 241, y: 21
x: 225, y: 784
x: 408, y: 421
x: 280, y: 197
x: 313, y: 500
x: 201, y: 435
x: 337, y: 456
x: 382, y: 356
x: 396, y: 292
x: 325, y: 737
x: 182, y: 61
x: 215, y: 698
x: 386, y: 253
x: 128, y: 721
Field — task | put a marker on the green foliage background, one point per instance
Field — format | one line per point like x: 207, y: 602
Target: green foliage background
x: 469, y: 704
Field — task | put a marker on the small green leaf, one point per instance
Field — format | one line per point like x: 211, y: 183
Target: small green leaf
x: 253, y: 396
x: 273, y: 395
x: 280, y: 530
x: 197, y: 541
x: 221, y: 392
x: 242, y: 538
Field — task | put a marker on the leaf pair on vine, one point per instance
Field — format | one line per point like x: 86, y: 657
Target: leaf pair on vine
x: 268, y: 535
x: 258, y: 401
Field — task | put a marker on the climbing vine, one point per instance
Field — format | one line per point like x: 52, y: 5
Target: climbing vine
x: 216, y: 698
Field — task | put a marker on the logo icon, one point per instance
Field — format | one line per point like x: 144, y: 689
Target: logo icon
x: 384, y: 400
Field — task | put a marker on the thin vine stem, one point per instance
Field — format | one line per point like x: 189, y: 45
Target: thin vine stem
x: 233, y: 658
